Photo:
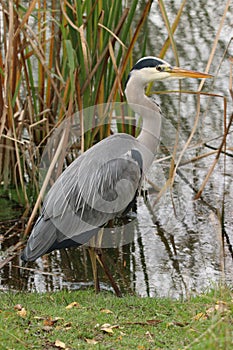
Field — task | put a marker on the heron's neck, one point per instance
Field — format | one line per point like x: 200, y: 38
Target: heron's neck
x: 148, y: 110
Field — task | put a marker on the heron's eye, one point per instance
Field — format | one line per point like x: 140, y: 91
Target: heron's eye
x: 159, y: 68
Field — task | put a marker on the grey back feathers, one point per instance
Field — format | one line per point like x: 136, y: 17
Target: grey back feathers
x: 97, y: 187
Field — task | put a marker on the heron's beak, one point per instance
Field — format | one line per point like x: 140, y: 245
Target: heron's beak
x: 177, y: 72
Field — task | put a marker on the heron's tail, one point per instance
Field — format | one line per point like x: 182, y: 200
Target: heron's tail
x: 40, y: 241
x: 46, y: 237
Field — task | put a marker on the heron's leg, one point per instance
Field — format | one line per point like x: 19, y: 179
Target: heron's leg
x: 104, y: 266
x: 95, y: 253
x: 92, y: 254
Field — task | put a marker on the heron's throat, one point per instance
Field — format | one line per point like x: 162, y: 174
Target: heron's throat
x: 148, y: 110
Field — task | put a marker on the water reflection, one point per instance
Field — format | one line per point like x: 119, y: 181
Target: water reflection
x: 170, y: 256
x: 177, y: 247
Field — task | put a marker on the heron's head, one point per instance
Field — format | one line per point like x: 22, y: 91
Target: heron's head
x: 150, y: 68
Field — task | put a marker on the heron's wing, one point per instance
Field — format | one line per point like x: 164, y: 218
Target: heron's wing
x: 95, y: 188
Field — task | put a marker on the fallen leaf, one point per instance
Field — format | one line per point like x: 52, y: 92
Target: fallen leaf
x: 60, y: 344
x: 210, y: 311
x: 22, y: 312
x: 39, y: 318
x: 74, y: 304
x: 106, y: 311
x: 91, y: 341
x: 107, y: 328
x: 18, y: 307
x: 221, y: 306
x: 122, y: 333
x: 50, y: 322
x: 47, y: 328
x: 200, y: 316
x: 67, y: 326
x: 149, y: 336
x: 105, y: 325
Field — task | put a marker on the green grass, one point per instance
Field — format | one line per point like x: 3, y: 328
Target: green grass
x: 140, y: 323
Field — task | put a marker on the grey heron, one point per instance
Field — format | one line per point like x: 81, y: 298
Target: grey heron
x: 102, y: 183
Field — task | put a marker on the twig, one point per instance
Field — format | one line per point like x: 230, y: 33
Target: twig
x: 215, y: 43
x: 216, y: 159
x: 45, y: 183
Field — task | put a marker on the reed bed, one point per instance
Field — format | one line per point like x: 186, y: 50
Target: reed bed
x: 57, y: 58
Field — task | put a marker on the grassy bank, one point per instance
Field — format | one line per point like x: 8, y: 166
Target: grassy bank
x: 83, y: 320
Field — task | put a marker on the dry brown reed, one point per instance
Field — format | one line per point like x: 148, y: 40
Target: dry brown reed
x: 57, y: 58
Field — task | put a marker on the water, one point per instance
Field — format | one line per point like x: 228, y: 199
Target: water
x: 177, y: 247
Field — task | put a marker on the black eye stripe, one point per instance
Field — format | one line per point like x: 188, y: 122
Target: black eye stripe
x: 147, y: 62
